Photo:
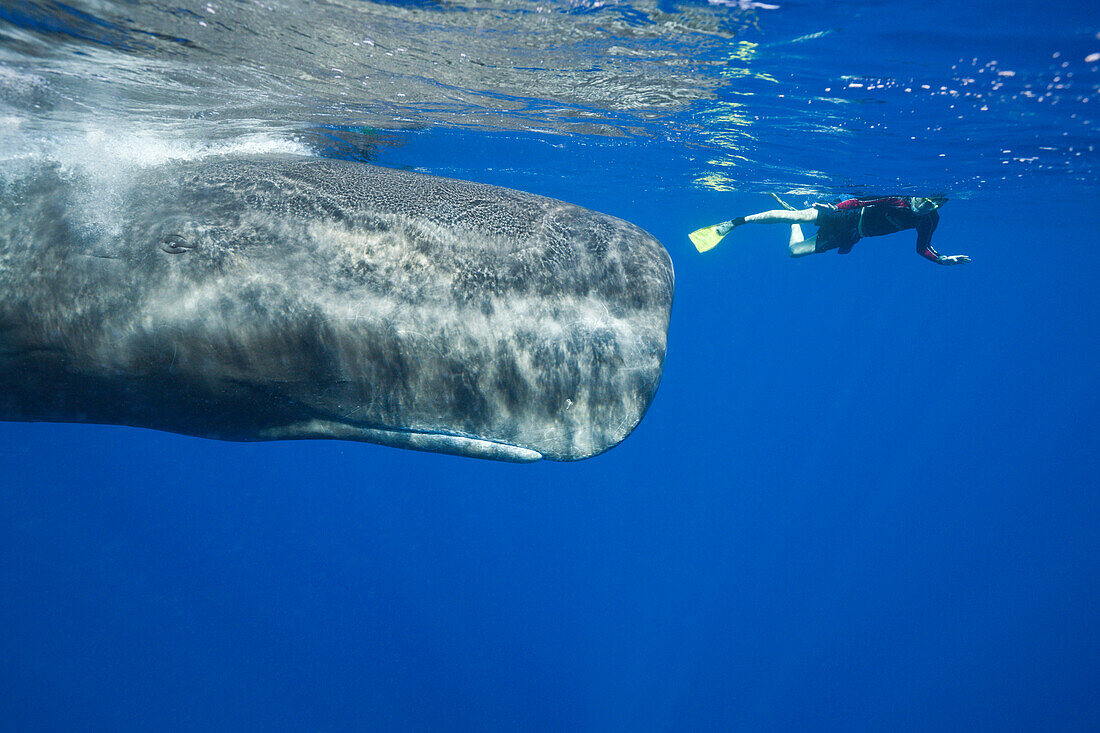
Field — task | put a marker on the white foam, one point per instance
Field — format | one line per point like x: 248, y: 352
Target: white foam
x: 102, y: 155
x: 103, y: 149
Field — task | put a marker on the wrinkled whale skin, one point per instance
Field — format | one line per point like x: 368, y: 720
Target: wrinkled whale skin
x: 282, y: 297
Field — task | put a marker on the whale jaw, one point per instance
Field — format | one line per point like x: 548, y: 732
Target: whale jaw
x: 457, y: 445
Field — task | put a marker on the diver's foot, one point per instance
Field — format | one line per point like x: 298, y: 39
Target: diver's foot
x: 727, y: 226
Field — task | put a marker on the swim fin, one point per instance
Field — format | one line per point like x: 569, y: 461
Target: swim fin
x: 706, y: 238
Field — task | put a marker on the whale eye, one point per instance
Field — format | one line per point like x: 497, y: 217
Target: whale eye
x: 175, y: 244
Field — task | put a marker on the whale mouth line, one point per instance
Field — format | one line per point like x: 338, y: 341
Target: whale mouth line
x: 319, y: 422
x: 461, y: 445
x: 423, y: 440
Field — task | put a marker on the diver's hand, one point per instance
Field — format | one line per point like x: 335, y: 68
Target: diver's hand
x: 953, y: 259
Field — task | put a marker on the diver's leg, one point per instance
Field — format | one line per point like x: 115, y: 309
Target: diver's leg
x: 799, y: 247
x: 796, y: 235
x: 803, y: 216
x: 779, y: 216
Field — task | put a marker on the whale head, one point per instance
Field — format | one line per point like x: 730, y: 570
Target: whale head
x: 279, y: 297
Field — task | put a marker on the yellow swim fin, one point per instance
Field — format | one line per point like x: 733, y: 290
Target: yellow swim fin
x: 706, y: 238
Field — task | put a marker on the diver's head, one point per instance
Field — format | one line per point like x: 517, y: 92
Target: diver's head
x: 924, y: 205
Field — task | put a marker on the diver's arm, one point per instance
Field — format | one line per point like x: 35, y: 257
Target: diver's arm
x: 925, y: 228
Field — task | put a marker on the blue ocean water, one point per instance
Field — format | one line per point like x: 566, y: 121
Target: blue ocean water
x: 865, y: 496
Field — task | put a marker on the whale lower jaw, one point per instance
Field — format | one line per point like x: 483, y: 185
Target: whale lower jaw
x: 457, y: 445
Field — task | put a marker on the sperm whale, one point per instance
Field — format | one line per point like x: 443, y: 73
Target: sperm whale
x: 269, y: 297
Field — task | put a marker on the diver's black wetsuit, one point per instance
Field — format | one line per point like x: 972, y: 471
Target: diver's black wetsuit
x: 842, y: 225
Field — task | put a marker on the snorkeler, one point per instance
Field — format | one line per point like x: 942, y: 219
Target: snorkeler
x: 840, y: 226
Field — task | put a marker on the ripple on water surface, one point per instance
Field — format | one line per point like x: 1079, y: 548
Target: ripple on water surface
x: 743, y: 95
